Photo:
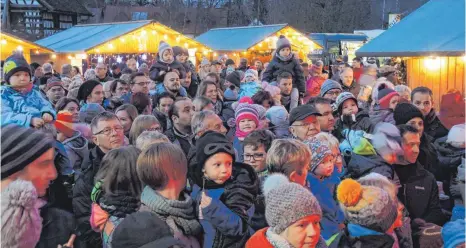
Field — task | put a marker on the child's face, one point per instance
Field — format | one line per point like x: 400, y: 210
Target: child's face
x: 20, y: 79
x: 350, y: 107
x: 325, y: 168
x: 181, y: 57
x: 399, y: 218
x: 393, y: 102
x: 167, y: 55
x: 255, y: 157
x: 285, y: 52
x: 303, y: 233
x: 218, y: 167
x: 247, y: 125
x: 249, y: 78
x: 338, y: 160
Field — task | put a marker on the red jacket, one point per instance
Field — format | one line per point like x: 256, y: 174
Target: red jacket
x: 357, y: 72
x: 259, y: 240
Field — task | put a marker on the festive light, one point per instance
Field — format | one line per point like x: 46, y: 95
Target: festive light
x: 154, y: 32
x: 144, y: 57
x: 118, y: 59
x: 110, y: 46
x: 260, y: 44
x: 37, y: 51
x: 165, y: 37
x: 215, y: 54
x: 100, y: 59
x: 267, y: 39
x: 97, y: 50
x: 19, y: 48
x: 178, y: 39
x: 186, y: 45
x: 122, y: 39
x: 69, y: 57
x: 143, y: 32
x: 432, y: 63
x: 205, y: 52
x: 3, y: 42
x: 54, y: 56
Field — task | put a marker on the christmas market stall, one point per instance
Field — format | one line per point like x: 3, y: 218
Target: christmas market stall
x: 10, y: 43
x: 334, y: 44
x: 255, y: 42
x: 86, y: 45
x: 431, y: 40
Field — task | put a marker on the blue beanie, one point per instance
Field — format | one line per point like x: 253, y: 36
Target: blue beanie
x: 15, y: 63
x: 328, y: 85
x: 453, y: 233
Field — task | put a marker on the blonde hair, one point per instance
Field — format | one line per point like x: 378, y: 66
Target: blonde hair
x: 148, y: 138
x: 288, y: 155
x: 140, y: 124
x: 328, y: 139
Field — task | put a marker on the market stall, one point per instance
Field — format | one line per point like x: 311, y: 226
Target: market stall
x: 10, y: 43
x: 432, y: 41
x: 255, y: 42
x: 334, y: 44
x: 115, y: 42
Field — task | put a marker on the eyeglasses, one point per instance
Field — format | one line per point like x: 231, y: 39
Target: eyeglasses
x: 255, y: 156
x: 333, y: 92
x: 142, y: 83
x: 157, y: 129
x: 107, y: 131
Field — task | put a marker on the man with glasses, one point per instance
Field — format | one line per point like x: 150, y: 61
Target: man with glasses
x: 107, y: 134
x: 304, y: 123
x: 139, y: 83
x: 101, y: 73
x: 330, y: 89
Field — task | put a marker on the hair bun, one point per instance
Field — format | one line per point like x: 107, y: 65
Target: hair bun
x: 349, y: 192
x: 282, y: 36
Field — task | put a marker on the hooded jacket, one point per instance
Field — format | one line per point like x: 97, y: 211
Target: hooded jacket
x: 419, y: 193
x: 159, y: 66
x: 277, y: 66
x: 433, y: 126
x: 360, y: 166
x: 77, y: 151
x: 20, y: 108
x: 226, y: 221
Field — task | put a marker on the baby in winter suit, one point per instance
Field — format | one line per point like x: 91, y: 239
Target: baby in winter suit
x: 165, y: 62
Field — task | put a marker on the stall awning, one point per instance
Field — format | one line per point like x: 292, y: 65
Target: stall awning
x: 435, y: 29
x: 323, y: 38
x: 119, y: 37
x: 10, y: 43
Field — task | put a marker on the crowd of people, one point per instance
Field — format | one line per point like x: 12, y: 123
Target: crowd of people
x: 280, y: 154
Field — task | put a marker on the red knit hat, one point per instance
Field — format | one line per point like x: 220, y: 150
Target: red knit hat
x: 64, y: 123
x: 385, y: 95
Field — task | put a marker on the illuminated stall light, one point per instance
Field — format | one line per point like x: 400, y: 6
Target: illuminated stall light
x: 37, y: 51
x: 432, y: 63
x: 118, y: 59
x: 100, y: 59
x: 165, y: 37
x: 54, y: 56
x: 3, y: 42
x: 19, y: 48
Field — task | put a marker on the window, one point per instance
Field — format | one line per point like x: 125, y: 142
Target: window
x: 139, y: 16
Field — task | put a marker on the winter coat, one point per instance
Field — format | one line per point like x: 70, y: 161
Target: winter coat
x: 20, y: 108
x: 105, y: 79
x: 332, y: 216
x: 82, y: 203
x: 239, y: 149
x: 258, y: 219
x: 59, y: 193
x: 160, y: 88
x: 449, y: 156
x: 58, y: 226
x: 433, y: 126
x: 226, y: 221
x: 354, y: 88
x: 159, y: 66
x: 419, y: 193
x: 360, y: 166
x: 378, y: 115
x: 428, y: 157
x: 313, y: 86
x: 21, y: 220
x: 184, y: 141
x: 248, y: 89
x: 77, y: 150
x: 259, y: 239
x: 277, y: 66
x: 361, y: 237
x: 363, y: 123
x: 192, y: 89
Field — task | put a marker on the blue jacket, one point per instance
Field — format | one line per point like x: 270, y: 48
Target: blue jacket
x: 20, y: 108
x: 248, y: 89
x: 160, y: 88
x: 332, y: 215
x: 217, y: 216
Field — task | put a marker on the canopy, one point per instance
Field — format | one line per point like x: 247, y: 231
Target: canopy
x: 10, y: 43
x: 323, y: 38
x: 435, y: 29
x: 118, y: 37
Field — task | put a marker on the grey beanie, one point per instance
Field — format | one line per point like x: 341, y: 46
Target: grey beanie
x: 21, y: 146
x: 287, y: 202
x: 328, y: 85
x: 342, y: 98
x: 283, y: 42
x: 162, y: 47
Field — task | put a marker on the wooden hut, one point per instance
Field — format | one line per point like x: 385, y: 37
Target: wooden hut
x: 10, y: 43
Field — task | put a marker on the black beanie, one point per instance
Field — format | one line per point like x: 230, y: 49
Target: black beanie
x: 405, y: 112
x: 86, y: 89
x: 15, y: 63
x: 21, y: 146
x: 234, y: 78
x: 209, y: 144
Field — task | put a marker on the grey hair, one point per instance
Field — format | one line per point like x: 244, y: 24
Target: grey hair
x: 47, y: 67
x: 200, y: 102
x: 126, y: 78
x: 66, y: 69
x: 90, y: 74
x: 197, y: 122
x: 148, y: 138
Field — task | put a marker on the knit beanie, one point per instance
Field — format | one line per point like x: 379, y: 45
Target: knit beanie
x: 162, y: 47
x: 287, y: 202
x: 64, y: 123
x: 328, y: 85
x: 378, y: 84
x: 52, y: 82
x: 368, y: 206
x: 453, y: 233
x: 229, y: 62
x: 385, y: 95
x: 178, y: 50
x: 88, y: 111
x: 247, y: 111
x: 342, y: 98
x: 283, y: 42
x: 319, y: 152
x: 13, y: 64
x: 278, y: 116
x: 86, y: 89
x: 21, y: 146
x: 251, y: 73
x: 456, y: 136
x: 230, y: 95
x: 234, y: 78
x: 405, y: 112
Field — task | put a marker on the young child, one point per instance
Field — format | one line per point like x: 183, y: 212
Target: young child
x: 293, y: 214
x: 23, y: 104
x: 285, y: 60
x: 321, y: 169
x: 165, y: 62
x: 224, y: 191
x: 249, y: 86
x: 279, y: 119
x: 383, y: 111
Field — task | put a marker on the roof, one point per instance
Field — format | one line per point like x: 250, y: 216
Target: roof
x: 237, y: 38
x: 31, y: 45
x: 80, y: 38
x: 323, y: 38
x: 73, y: 6
x: 436, y: 28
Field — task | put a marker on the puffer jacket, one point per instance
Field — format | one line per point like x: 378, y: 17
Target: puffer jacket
x: 277, y: 66
x: 363, y: 123
x: 433, y: 126
x: 378, y: 115
x: 159, y: 66
x: 360, y: 166
x: 77, y: 150
x: 20, y: 108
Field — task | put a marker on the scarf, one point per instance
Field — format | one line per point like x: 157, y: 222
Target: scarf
x: 287, y: 58
x: 275, y: 240
x: 241, y: 134
x: 23, y: 90
x: 181, y: 212
x: 119, y: 204
x: 218, y: 106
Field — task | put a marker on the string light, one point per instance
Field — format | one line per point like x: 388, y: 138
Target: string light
x: 205, y: 52
x: 3, y: 42
x: 122, y: 39
x: 110, y: 46
x: 37, y: 51
x: 178, y: 39
x: 19, y: 48
x: 215, y: 54
x: 186, y: 45
x: 118, y: 59
x: 143, y: 32
x: 165, y: 37
x: 54, y: 56
x: 154, y: 32
x: 97, y: 50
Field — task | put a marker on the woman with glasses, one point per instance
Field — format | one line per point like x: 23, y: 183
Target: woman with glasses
x: 143, y: 123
